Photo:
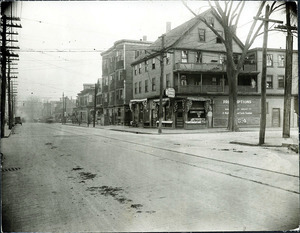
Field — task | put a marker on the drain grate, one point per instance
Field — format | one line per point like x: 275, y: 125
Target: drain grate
x: 11, y: 169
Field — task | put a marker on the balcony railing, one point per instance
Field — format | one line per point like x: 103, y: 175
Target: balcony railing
x: 196, y: 89
x: 212, y: 67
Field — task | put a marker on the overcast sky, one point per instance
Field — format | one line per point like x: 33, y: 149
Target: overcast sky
x: 60, y: 41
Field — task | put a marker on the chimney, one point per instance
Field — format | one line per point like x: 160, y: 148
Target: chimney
x: 168, y: 27
x: 144, y: 38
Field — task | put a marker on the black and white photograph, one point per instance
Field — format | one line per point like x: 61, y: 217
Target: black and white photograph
x: 149, y: 116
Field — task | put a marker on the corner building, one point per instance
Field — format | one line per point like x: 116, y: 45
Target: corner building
x: 195, y: 68
x: 117, y: 80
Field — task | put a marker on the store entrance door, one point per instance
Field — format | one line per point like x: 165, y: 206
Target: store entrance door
x: 179, y: 115
x: 276, y: 117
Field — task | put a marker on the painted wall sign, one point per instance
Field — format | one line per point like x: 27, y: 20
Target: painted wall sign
x: 248, y: 111
x: 170, y: 92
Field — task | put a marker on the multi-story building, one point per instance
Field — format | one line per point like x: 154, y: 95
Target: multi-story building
x: 117, y: 79
x: 194, y: 80
x: 83, y: 112
x: 275, y: 85
x: 99, y: 104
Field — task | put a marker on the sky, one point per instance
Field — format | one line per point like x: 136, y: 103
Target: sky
x: 61, y: 41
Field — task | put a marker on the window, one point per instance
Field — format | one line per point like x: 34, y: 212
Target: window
x: 105, y: 97
x: 280, y: 81
x: 184, y: 56
x: 106, y: 81
x: 135, y: 88
x: 183, y: 80
x: 121, y: 94
x: 168, y: 58
x: 215, y: 81
x: 168, y: 84
x: 140, y: 87
x: 210, y: 21
x: 110, y: 79
x: 281, y: 60
x: 222, y: 58
x: 269, y: 59
x: 153, y: 84
x: 146, y: 66
x: 218, y: 41
x: 135, y: 69
x: 198, y: 57
x: 111, y: 97
x: 137, y: 53
x: 146, y: 85
x: 140, y: 68
x: 153, y: 63
x: 269, y: 82
x: 201, y: 34
x: 235, y: 58
x: 117, y: 94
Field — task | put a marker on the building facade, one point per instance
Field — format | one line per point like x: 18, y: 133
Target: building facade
x: 275, y: 85
x: 83, y: 112
x: 117, y: 75
x: 195, y: 82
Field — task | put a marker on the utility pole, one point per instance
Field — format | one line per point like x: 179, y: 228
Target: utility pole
x: 62, y: 116
x: 161, y: 83
x: 3, y: 74
x: 266, y: 20
x: 95, y: 98
x: 9, y: 98
x: 288, y: 74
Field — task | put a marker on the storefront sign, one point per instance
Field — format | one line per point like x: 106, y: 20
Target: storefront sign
x: 170, y: 92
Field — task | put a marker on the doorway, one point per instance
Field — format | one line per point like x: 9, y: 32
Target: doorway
x: 275, y: 117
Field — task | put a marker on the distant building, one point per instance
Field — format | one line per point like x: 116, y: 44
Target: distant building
x: 195, y: 81
x: 117, y: 80
x: 83, y: 111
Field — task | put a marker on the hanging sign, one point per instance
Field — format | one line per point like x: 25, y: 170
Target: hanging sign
x: 170, y: 92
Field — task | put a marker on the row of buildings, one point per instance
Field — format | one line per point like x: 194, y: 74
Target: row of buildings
x: 195, y: 82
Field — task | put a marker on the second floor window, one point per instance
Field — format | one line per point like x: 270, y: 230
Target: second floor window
x: 269, y: 82
x: 135, y: 88
x: 146, y: 85
x: 135, y: 70
x: 140, y: 87
x: 184, y: 56
x: 168, y: 84
x: 218, y: 38
x: 198, y: 57
x: 168, y: 58
x: 146, y: 66
x: 153, y: 63
x: 280, y: 81
x: 269, y: 60
x: 140, y: 68
x: 281, y: 60
x: 153, y: 84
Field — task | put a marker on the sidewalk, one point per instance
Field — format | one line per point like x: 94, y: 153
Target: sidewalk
x: 7, y: 131
x: 273, y: 136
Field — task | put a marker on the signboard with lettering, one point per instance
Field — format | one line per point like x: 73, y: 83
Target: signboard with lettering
x: 248, y: 111
x: 170, y: 92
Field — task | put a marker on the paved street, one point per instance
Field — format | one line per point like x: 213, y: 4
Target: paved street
x: 68, y: 178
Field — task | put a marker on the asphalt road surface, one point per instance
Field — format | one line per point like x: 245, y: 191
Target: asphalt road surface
x: 66, y: 178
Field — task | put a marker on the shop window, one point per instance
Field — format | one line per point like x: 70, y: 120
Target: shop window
x: 153, y: 84
x: 146, y: 85
x: 184, y: 56
x: 218, y: 39
x: 280, y: 81
x: 201, y: 34
x: 269, y: 60
x: 135, y: 88
x: 168, y: 84
x: 281, y: 60
x: 198, y: 57
x: 269, y: 82
x: 195, y: 115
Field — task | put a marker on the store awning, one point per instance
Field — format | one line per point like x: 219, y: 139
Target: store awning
x: 137, y: 101
x: 163, y: 100
x: 198, y: 98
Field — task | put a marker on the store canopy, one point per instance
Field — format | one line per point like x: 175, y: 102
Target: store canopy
x: 137, y: 101
x: 198, y: 98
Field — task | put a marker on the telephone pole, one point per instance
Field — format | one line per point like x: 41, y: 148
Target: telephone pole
x: 95, y: 104
x: 161, y: 83
x: 63, y: 110
x: 266, y: 20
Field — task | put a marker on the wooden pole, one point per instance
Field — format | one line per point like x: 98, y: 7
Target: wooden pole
x: 161, y: 83
x: 3, y: 79
x: 262, y: 130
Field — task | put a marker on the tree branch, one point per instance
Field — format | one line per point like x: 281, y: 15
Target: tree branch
x: 240, y: 12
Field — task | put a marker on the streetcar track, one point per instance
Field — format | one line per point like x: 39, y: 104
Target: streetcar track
x: 197, y: 156
x: 201, y: 167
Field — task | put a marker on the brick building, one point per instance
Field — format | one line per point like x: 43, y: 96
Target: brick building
x: 117, y: 80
